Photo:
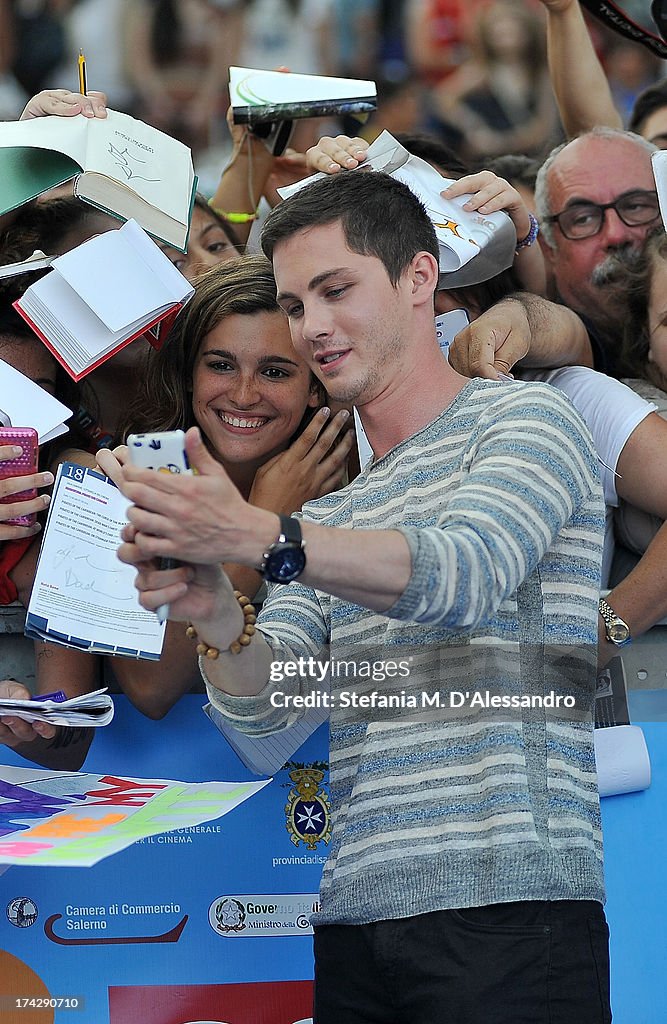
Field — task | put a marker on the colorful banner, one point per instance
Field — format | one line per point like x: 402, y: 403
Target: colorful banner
x: 73, y: 819
x: 186, y: 925
x: 207, y: 923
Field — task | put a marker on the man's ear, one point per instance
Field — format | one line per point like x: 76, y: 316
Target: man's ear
x: 424, y: 273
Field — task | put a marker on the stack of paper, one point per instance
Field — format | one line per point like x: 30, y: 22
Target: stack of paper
x: 90, y: 709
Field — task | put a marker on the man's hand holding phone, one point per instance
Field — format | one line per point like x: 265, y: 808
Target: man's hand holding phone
x: 163, y: 452
x: 19, y: 483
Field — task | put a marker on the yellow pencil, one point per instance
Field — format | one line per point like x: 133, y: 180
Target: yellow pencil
x: 83, y: 88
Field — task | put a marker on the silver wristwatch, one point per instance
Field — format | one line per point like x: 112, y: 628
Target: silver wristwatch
x: 616, y: 628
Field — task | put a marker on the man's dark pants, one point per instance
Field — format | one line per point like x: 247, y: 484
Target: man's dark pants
x: 511, y: 963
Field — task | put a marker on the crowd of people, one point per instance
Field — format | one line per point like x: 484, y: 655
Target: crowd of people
x: 474, y: 70
x: 511, y: 481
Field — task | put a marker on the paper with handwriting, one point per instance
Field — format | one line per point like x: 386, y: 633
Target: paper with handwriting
x: 83, y: 596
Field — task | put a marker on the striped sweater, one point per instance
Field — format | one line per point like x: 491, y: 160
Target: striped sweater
x: 500, y: 503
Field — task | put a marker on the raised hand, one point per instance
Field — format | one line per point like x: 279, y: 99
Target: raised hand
x: 200, y: 519
x: 331, y: 155
x: 111, y: 462
x: 490, y: 193
x: 64, y: 103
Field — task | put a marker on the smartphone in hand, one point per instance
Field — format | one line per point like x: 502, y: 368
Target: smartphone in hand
x: 165, y: 453
x: 21, y: 465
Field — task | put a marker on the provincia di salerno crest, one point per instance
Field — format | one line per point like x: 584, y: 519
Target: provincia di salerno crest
x: 308, y: 810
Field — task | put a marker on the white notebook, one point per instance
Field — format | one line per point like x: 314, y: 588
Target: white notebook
x: 101, y: 296
x: 258, y: 96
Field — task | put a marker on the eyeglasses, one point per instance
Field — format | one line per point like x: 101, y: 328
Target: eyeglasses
x: 583, y: 220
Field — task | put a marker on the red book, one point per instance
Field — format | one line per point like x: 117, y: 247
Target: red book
x: 102, y: 295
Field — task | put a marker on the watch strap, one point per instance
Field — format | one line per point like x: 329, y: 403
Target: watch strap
x: 290, y: 530
x: 611, y: 618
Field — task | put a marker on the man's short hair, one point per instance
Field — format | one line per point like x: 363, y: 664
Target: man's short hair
x: 651, y: 99
x: 543, y: 206
x: 379, y: 215
x: 515, y: 168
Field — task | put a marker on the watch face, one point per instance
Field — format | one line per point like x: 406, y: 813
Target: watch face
x: 618, y: 632
x: 285, y: 565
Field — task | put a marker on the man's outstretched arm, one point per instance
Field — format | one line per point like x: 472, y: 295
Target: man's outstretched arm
x: 522, y: 329
x: 428, y: 575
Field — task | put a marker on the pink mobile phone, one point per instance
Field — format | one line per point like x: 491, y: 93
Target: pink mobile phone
x: 22, y: 465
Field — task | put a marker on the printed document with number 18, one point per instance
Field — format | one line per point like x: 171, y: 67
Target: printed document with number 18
x: 83, y: 596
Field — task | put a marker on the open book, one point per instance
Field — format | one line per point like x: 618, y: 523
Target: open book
x: 83, y: 596
x: 473, y: 247
x: 260, y: 96
x: 102, y: 295
x: 121, y: 165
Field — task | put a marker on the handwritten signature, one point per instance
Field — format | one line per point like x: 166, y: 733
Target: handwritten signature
x: 125, y: 160
x: 64, y: 557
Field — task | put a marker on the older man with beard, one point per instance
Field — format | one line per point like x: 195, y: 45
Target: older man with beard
x: 596, y: 201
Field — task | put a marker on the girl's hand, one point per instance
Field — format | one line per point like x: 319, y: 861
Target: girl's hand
x: 332, y: 155
x: 64, y: 103
x: 489, y: 194
x: 15, y: 730
x: 111, y: 461
x: 312, y: 466
x: 13, y: 485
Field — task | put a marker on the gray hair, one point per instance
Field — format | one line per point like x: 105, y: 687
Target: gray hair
x: 543, y: 206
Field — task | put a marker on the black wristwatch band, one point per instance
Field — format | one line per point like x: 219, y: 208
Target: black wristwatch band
x: 285, y: 559
x: 290, y: 530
